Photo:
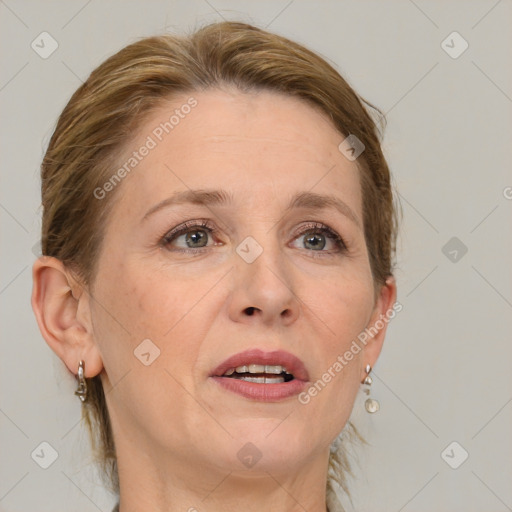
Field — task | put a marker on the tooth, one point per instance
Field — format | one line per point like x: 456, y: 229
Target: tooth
x: 274, y: 380
x: 263, y: 380
x: 273, y: 369
x: 258, y: 380
x: 256, y: 368
x: 259, y: 368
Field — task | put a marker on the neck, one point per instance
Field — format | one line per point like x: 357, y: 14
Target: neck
x: 163, y: 483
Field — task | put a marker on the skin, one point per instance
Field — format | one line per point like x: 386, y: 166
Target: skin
x: 177, y: 431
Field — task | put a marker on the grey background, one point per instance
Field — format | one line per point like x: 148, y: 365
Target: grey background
x: 443, y: 375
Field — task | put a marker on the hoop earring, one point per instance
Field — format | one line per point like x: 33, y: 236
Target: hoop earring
x: 371, y: 405
x: 81, y: 391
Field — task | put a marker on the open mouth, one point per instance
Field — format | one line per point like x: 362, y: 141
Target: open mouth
x: 260, y: 374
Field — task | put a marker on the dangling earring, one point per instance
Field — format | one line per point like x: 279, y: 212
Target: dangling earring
x: 81, y: 391
x: 371, y: 405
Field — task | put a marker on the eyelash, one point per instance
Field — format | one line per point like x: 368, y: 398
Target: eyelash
x: 311, y: 227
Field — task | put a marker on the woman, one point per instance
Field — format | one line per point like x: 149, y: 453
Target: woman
x: 218, y: 233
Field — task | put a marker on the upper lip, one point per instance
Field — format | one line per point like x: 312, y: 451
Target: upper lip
x: 292, y: 363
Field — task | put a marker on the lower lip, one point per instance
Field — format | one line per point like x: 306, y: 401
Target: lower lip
x: 262, y: 392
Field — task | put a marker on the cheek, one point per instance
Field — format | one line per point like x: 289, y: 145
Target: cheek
x: 346, y: 303
x: 144, y: 301
x: 140, y: 302
x: 345, y: 307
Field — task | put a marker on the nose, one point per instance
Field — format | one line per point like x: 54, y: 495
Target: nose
x: 263, y: 291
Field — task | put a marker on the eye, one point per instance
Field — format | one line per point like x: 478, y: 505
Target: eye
x: 320, y: 238
x: 193, y: 236
x: 189, y: 236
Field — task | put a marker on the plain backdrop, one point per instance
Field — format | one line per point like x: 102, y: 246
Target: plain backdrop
x: 444, y: 374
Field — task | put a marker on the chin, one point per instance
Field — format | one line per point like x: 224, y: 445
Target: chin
x: 274, y: 442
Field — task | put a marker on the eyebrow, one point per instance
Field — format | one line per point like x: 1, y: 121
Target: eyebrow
x: 201, y: 197
x: 307, y: 200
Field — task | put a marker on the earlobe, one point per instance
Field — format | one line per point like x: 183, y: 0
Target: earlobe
x: 56, y: 297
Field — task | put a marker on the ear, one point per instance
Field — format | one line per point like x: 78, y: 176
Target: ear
x: 61, y: 305
x: 385, y: 309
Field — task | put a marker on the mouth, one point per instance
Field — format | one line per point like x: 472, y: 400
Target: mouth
x: 260, y: 373
x: 262, y: 376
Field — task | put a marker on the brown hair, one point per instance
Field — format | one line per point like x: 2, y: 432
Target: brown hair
x: 103, y: 114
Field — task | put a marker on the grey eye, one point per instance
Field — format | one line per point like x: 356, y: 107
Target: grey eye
x: 315, y: 241
x: 196, y: 238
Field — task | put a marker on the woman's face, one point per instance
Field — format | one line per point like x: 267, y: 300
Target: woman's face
x: 269, y: 254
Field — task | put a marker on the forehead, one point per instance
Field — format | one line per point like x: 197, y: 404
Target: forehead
x: 246, y: 142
